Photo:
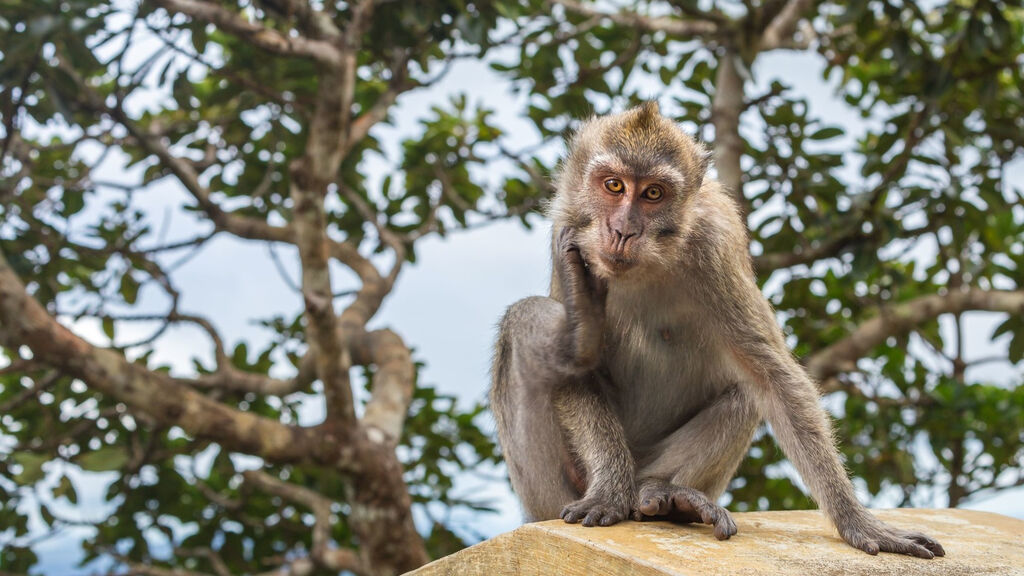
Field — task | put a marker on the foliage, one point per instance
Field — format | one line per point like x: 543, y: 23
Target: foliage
x: 96, y: 90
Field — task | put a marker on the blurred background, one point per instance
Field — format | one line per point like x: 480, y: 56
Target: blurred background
x: 281, y: 234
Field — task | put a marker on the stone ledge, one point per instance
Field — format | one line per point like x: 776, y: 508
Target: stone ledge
x: 776, y: 543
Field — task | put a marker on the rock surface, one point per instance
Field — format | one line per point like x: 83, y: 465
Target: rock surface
x: 776, y: 543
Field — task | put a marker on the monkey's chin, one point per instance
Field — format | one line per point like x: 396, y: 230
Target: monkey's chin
x: 615, y: 264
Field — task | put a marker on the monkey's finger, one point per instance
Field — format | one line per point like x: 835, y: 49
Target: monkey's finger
x: 649, y: 507
x: 593, y: 518
x: 722, y: 531
x: 709, y: 515
x: 571, y: 516
x: 567, y: 243
x: 921, y: 552
x: 870, y: 546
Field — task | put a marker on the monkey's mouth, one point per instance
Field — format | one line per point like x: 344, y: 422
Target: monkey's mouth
x: 616, y: 263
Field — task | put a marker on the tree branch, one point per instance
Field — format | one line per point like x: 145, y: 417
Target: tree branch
x: 779, y: 33
x: 371, y: 295
x: 901, y: 318
x: 309, y: 219
x: 333, y: 559
x: 834, y: 246
x: 398, y: 84
x: 393, y: 382
x: 315, y: 169
x: 233, y: 380
x: 23, y: 321
x: 183, y: 170
x: 845, y: 236
x: 314, y: 22
x: 254, y: 33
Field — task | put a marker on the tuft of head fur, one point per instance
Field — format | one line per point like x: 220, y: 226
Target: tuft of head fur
x: 640, y: 143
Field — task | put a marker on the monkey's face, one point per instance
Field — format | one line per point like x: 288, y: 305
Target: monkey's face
x: 633, y: 214
x: 625, y: 186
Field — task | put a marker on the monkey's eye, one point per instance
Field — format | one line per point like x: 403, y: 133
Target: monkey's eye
x: 653, y: 193
x: 614, y: 185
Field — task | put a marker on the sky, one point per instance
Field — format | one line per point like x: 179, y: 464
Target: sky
x: 445, y: 306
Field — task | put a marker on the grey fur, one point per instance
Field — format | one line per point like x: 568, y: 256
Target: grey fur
x: 643, y: 375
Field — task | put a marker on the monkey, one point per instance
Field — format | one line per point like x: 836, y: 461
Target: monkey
x: 634, y: 389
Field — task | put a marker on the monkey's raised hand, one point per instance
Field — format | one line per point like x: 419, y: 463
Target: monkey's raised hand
x: 584, y: 296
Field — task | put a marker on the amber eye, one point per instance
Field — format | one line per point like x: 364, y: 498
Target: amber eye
x: 614, y: 185
x: 653, y: 193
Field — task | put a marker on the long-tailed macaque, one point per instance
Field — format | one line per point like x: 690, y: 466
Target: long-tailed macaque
x: 635, y: 388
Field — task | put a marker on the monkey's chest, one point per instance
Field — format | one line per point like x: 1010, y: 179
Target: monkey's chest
x: 664, y: 372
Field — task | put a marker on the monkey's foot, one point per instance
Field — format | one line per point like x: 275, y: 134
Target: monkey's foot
x: 597, y: 510
x: 665, y: 501
x: 871, y: 535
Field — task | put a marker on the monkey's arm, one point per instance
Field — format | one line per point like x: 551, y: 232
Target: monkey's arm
x: 788, y: 399
x: 592, y: 430
x: 547, y: 358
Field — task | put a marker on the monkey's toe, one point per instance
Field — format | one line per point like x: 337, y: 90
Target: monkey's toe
x: 930, y: 543
x: 654, y: 506
x: 665, y: 501
x: 911, y: 544
x: 873, y: 536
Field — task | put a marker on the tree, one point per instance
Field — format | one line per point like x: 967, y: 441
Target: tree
x: 263, y: 112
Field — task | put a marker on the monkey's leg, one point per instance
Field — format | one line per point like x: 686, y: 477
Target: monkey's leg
x: 546, y: 409
x: 524, y: 375
x: 705, y: 452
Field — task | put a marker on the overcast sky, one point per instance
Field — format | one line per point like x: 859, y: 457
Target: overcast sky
x: 447, y: 304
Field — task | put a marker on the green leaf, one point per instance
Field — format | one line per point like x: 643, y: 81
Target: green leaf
x: 1017, y: 347
x: 827, y: 133
x: 31, y: 467
x: 108, y: 327
x: 106, y: 459
x: 129, y: 288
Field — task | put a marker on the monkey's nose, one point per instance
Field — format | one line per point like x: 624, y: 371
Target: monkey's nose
x: 620, y: 240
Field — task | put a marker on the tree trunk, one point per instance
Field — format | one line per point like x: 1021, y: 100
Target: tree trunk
x: 726, y: 109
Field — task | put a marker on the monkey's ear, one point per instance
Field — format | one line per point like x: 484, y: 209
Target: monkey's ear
x: 704, y: 155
